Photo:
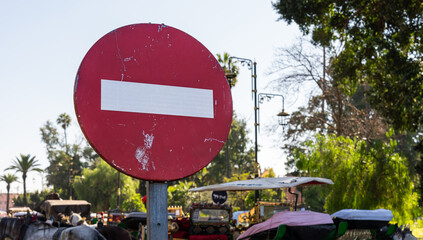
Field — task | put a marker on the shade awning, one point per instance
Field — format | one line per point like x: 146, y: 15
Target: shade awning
x: 292, y: 219
x: 54, y: 207
x: 264, y: 183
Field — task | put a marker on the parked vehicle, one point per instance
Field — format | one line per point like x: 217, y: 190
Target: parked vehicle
x: 57, y: 208
x: 16, y: 209
x: 206, y: 221
x: 261, y: 211
x: 177, y: 210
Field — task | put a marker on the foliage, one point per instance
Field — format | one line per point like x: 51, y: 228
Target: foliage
x: 329, y: 109
x: 133, y: 203
x: 380, y: 44
x: 25, y: 164
x: 35, y: 199
x: 347, y: 101
x: 66, y: 160
x: 367, y: 175
x: 64, y: 121
x: 315, y: 197
x: 8, y: 179
x: 178, y: 195
x: 240, y: 200
x: 229, y: 67
x: 104, y: 179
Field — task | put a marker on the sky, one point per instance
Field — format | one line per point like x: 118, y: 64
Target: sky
x: 42, y: 44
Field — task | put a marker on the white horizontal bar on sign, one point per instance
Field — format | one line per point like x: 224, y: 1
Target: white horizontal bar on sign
x: 156, y: 99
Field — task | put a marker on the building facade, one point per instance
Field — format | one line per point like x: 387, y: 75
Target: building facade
x: 3, y: 200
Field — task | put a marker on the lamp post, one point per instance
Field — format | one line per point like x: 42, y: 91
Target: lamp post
x: 281, y: 116
x: 252, y: 65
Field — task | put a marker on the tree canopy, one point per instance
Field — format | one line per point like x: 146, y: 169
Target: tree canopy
x: 66, y: 160
x: 104, y: 179
x: 370, y: 80
x: 8, y: 179
x: 380, y: 44
x: 25, y: 164
x: 366, y: 175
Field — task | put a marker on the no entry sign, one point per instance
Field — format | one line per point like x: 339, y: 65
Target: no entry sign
x: 153, y: 102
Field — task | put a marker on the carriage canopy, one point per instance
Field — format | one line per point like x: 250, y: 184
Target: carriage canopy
x: 264, y: 183
x: 54, y: 207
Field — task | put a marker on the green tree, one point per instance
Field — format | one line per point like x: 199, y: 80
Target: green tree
x: 66, y: 160
x: 104, y: 179
x: 35, y: 198
x: 366, y: 175
x: 379, y: 55
x: 64, y: 121
x: 329, y: 109
x: 25, y: 164
x: 133, y: 203
x: 315, y: 197
x: 178, y: 195
x: 50, y: 137
x: 241, y: 200
x: 270, y: 194
x: 229, y: 67
x: 8, y: 179
x: 380, y: 44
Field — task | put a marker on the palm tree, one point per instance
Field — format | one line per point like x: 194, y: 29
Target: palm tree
x: 228, y: 67
x: 231, y: 72
x: 25, y: 164
x: 9, y: 179
x: 64, y: 121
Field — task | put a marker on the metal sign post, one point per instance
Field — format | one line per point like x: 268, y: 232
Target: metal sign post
x: 156, y: 210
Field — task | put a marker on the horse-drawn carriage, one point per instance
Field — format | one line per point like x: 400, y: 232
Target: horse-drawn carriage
x: 57, y: 209
x: 347, y: 224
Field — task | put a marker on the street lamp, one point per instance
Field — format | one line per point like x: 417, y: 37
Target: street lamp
x: 282, y: 116
x: 252, y: 65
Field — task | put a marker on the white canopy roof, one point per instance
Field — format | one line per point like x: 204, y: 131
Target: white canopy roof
x: 370, y: 215
x: 264, y: 183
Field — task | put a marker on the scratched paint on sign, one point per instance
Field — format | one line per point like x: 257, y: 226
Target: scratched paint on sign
x: 142, y: 153
x: 213, y: 139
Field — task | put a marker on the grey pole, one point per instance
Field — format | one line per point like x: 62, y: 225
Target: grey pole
x: 254, y: 77
x: 157, y: 211
x: 252, y: 65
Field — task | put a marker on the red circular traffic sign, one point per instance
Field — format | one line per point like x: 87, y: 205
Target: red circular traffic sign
x: 153, y: 102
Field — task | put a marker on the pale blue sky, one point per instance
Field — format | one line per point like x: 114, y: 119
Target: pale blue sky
x: 42, y: 44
